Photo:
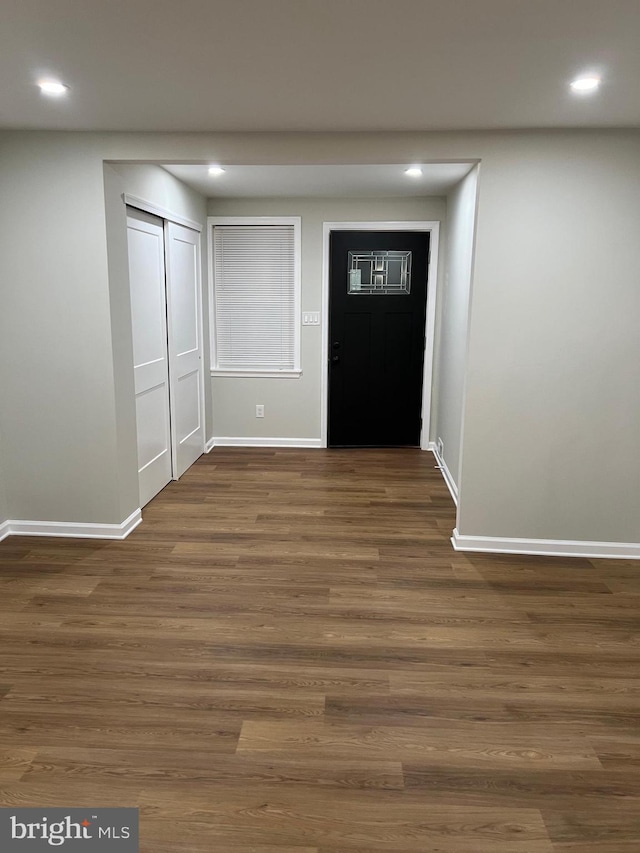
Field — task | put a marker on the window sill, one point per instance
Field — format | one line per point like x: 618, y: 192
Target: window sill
x: 256, y: 374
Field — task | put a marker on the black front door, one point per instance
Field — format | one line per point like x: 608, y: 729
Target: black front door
x: 378, y: 296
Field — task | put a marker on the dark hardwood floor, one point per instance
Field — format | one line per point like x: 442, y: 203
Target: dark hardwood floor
x: 287, y: 655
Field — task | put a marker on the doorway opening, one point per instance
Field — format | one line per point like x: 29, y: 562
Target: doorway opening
x: 279, y: 409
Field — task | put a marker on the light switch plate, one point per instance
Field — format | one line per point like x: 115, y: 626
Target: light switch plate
x: 310, y: 318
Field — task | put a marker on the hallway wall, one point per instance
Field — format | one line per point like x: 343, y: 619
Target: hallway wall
x: 453, y: 320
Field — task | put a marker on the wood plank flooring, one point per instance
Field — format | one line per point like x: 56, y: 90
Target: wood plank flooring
x: 287, y: 655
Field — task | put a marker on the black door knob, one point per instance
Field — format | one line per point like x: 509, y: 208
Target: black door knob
x: 336, y: 344
x: 335, y: 358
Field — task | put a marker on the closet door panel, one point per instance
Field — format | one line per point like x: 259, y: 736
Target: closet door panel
x: 151, y: 364
x: 184, y: 306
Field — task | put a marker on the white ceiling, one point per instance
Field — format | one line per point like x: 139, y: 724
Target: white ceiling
x: 383, y: 181
x: 327, y: 65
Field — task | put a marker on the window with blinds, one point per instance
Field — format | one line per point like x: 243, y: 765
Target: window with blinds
x: 256, y: 297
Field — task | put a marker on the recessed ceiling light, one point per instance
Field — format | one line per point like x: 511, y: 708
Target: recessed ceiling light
x: 53, y: 87
x: 413, y: 171
x: 585, y: 84
x: 214, y: 171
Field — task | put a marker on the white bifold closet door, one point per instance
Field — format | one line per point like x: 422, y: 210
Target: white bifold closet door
x: 164, y: 264
x: 184, y: 310
x: 150, y: 355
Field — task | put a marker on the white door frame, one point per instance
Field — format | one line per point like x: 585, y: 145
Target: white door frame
x: 160, y: 212
x: 167, y: 215
x: 431, y: 227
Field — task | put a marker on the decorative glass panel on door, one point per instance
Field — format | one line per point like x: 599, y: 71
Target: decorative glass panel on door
x: 379, y: 272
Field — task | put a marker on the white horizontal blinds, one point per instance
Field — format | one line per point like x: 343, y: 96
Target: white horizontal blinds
x: 255, y: 296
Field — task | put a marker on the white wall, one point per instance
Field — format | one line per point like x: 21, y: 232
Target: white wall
x: 155, y: 184
x: 552, y: 397
x: 453, y: 314
x: 292, y: 406
x: 4, y: 507
x: 58, y: 412
x: 122, y: 352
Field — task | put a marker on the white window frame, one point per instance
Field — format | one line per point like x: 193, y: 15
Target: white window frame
x: 269, y: 373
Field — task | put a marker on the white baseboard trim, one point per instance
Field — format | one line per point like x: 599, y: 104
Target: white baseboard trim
x: 209, y: 445
x: 227, y: 441
x: 77, y: 530
x: 446, y: 474
x: 5, y: 530
x: 547, y: 547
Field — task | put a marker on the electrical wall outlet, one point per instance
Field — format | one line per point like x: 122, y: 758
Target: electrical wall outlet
x: 260, y: 411
x: 440, y: 447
